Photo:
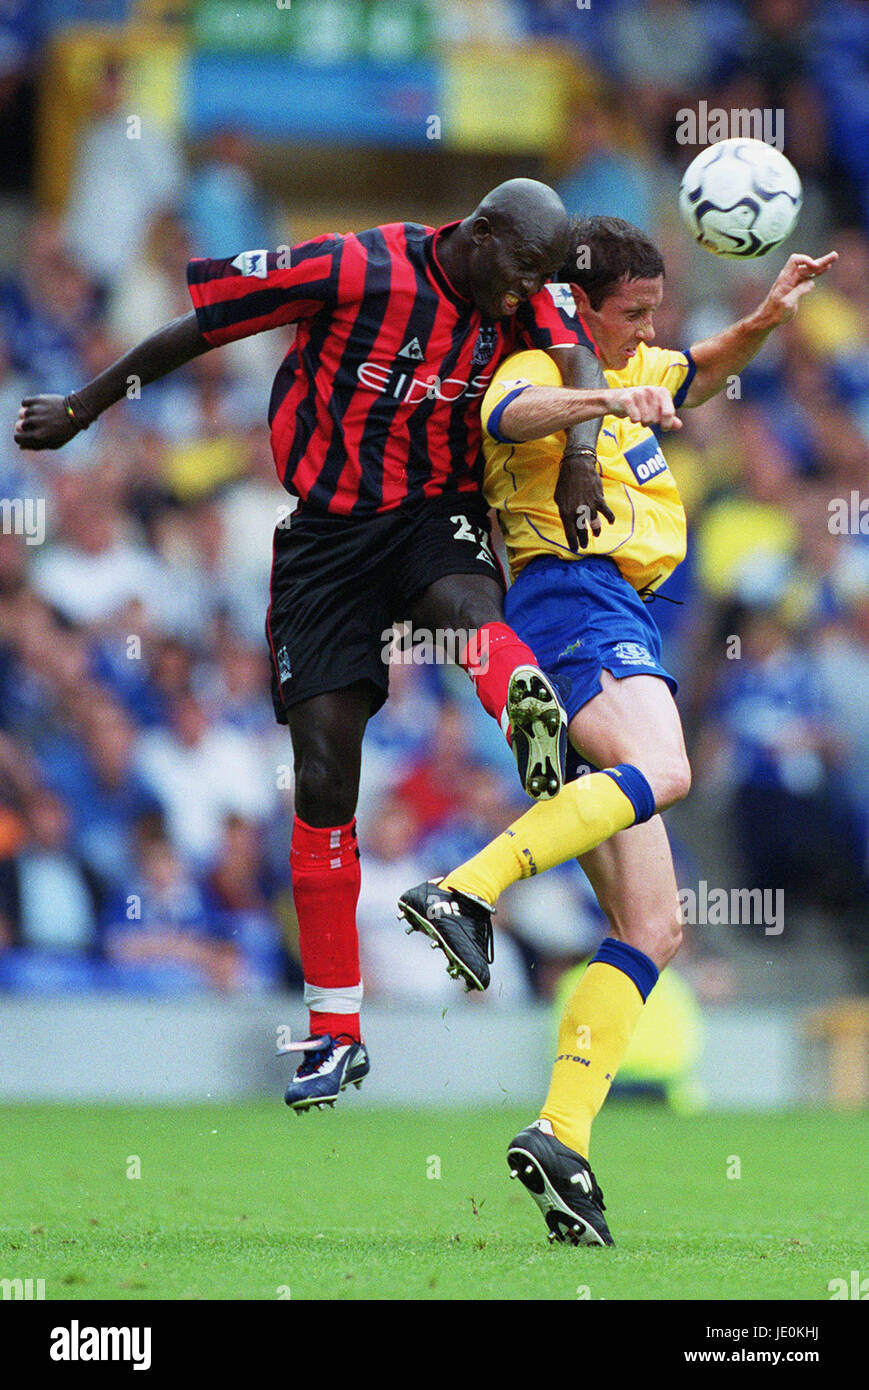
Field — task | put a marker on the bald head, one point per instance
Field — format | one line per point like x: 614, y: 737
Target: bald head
x: 531, y: 210
x: 515, y: 238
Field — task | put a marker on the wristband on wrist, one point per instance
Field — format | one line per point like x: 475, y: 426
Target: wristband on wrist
x: 76, y: 411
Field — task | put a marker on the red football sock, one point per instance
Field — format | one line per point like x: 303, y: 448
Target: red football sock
x: 326, y: 879
x: 490, y: 658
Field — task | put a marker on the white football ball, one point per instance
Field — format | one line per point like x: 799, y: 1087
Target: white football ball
x: 740, y: 198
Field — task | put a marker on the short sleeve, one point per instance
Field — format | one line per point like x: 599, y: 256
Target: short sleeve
x: 654, y: 366
x: 515, y: 375
x: 549, y: 319
x: 259, y: 290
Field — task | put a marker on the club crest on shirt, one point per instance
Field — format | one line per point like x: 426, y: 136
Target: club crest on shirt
x: 633, y: 654
x: 487, y: 340
x: 252, y: 263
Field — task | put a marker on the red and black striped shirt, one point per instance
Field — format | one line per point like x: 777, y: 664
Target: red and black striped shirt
x: 378, y: 401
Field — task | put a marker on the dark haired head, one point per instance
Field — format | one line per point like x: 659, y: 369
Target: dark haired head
x: 603, y: 252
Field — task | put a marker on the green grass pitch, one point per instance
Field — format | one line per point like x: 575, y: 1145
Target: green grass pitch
x: 246, y: 1201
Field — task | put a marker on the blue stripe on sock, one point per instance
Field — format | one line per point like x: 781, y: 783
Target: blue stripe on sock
x: 635, y: 787
x: 633, y: 963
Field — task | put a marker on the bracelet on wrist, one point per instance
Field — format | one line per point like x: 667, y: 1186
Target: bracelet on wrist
x: 76, y: 411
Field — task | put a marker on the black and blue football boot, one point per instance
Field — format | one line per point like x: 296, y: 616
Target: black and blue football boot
x: 330, y: 1065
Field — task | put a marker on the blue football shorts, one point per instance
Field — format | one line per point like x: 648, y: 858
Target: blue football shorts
x: 581, y: 617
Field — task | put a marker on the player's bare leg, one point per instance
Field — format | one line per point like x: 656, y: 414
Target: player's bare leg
x: 634, y: 881
x: 635, y: 720
x: 327, y: 736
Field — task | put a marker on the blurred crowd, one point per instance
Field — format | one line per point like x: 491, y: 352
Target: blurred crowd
x: 145, y: 789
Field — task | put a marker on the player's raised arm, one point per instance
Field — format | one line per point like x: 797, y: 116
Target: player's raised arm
x: 49, y: 421
x: 727, y: 353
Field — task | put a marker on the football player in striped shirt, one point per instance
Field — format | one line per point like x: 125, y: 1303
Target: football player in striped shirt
x: 585, y: 617
x: 375, y: 428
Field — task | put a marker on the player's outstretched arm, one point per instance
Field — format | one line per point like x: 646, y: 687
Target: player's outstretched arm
x: 541, y: 410
x: 48, y: 422
x: 726, y: 354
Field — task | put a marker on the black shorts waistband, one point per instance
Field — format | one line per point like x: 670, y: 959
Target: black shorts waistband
x: 443, y: 502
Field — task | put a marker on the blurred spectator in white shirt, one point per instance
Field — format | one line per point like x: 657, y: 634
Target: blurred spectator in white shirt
x: 200, y: 774
x: 98, y: 565
x: 127, y: 169
x: 154, y: 288
x: 49, y: 900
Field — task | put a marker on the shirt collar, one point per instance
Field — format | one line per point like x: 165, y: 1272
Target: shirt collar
x: 438, y: 273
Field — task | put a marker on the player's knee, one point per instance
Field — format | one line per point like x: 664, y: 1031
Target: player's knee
x: 465, y: 602
x: 326, y: 787
x: 670, y: 781
x: 681, y: 778
x: 661, y: 936
x: 657, y: 932
x: 670, y: 938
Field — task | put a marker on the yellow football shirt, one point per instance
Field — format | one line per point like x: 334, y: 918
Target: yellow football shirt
x: 648, y: 538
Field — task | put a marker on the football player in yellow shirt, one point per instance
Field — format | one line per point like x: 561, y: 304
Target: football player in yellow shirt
x: 577, y: 599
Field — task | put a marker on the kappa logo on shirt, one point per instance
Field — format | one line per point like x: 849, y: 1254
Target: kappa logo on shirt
x: 412, y: 350
x: 504, y: 386
x: 252, y: 263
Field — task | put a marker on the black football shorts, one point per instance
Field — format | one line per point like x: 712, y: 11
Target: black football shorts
x: 339, y: 583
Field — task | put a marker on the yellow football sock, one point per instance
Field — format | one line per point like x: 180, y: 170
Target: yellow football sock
x: 593, y: 1037
x: 584, y: 813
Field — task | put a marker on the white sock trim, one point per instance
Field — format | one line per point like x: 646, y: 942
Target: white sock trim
x: 340, y: 999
